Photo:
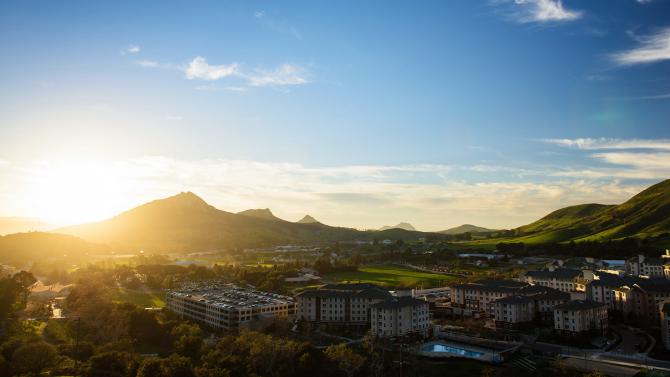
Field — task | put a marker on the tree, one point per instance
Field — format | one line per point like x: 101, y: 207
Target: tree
x: 150, y: 367
x: 594, y: 373
x: 346, y: 359
x: 34, y: 357
x: 112, y: 363
x: 189, y: 345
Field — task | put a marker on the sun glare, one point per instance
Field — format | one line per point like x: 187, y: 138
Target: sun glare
x: 72, y: 192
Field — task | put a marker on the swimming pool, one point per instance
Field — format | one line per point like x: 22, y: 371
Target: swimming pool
x: 445, y: 348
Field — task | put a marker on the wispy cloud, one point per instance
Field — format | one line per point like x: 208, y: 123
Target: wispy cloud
x: 198, y: 68
x: 132, y: 49
x: 538, y: 11
x: 658, y: 160
x: 286, y: 74
x: 640, y: 98
x: 610, y: 143
x: 147, y: 63
x: 651, y: 49
x: 259, y: 14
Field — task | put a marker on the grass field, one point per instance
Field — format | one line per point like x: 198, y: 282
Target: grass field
x: 143, y: 299
x: 391, y: 275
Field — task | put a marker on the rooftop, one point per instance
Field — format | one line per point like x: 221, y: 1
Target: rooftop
x: 230, y: 296
x: 493, y: 285
x: 579, y: 305
x: 399, y: 302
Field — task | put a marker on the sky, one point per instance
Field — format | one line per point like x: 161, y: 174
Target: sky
x: 361, y: 114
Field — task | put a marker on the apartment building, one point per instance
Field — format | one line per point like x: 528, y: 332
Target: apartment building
x: 602, y: 288
x: 533, y: 303
x: 580, y: 316
x: 665, y: 325
x: 479, y: 296
x: 400, y: 316
x: 228, y: 307
x: 653, y: 267
x: 563, y: 279
x: 639, y: 299
x: 340, y: 303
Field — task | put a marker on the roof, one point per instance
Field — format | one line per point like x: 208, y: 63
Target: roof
x: 534, y: 293
x: 558, y: 274
x: 347, y: 290
x: 491, y: 285
x: 399, y: 302
x: 579, y: 305
x: 515, y: 299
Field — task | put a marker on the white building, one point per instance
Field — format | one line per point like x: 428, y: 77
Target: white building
x: 534, y: 303
x: 479, y: 296
x: 580, y: 316
x: 649, y: 266
x: 228, y: 307
x: 400, y: 316
x: 339, y: 303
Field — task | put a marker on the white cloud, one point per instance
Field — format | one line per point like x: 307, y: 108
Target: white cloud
x: 174, y: 118
x: 539, y: 11
x: 198, y: 68
x: 651, y: 49
x: 259, y: 14
x: 286, y: 74
x: 644, y: 161
x: 147, y: 63
x: 610, y: 143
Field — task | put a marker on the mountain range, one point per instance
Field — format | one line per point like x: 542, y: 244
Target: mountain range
x: 185, y: 222
x: 404, y: 226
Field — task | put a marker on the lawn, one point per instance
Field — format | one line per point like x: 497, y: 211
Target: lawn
x: 391, y: 275
x: 143, y: 299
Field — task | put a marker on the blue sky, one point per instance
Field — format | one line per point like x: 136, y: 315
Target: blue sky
x: 491, y: 112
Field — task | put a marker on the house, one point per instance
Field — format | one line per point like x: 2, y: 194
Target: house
x: 579, y: 317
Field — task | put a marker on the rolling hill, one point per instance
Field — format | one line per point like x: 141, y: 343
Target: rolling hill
x: 465, y: 228
x: 22, y: 248
x: 186, y: 223
x: 645, y: 214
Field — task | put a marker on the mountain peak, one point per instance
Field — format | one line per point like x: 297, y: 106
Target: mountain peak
x: 405, y: 226
x: 307, y: 220
x: 465, y: 228
x: 261, y: 213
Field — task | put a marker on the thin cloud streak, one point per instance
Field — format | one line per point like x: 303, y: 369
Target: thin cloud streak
x: 538, y: 11
x: 609, y: 143
x: 652, y: 48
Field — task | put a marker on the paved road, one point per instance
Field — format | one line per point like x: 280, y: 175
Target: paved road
x: 606, y: 368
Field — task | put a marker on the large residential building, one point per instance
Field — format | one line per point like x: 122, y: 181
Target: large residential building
x: 400, y: 316
x: 228, y: 307
x: 528, y: 304
x: 665, y: 325
x: 563, y: 279
x: 479, y: 296
x: 580, y: 316
x: 653, y: 267
x: 640, y: 299
x: 340, y: 303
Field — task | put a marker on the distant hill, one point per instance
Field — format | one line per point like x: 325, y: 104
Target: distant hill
x: 465, y: 228
x: 645, y: 214
x: 10, y: 225
x: 263, y: 213
x: 405, y: 226
x: 307, y: 220
x: 22, y: 248
x: 186, y: 223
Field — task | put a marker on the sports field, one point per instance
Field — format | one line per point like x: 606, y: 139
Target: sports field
x: 391, y: 275
x: 143, y: 299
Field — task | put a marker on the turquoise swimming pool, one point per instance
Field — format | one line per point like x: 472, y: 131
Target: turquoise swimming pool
x: 457, y: 351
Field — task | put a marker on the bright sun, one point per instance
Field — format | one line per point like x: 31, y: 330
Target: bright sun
x: 72, y: 192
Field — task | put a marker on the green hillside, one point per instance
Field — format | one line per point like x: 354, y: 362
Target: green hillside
x: 646, y: 214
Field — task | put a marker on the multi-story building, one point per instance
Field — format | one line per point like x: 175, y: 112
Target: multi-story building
x: 649, y: 266
x: 563, y: 279
x: 665, y: 325
x: 602, y: 288
x: 340, y: 303
x: 479, y: 296
x: 534, y: 303
x: 226, y: 306
x: 639, y: 299
x: 400, y: 316
x: 580, y: 316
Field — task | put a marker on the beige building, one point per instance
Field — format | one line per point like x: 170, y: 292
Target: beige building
x: 479, y: 296
x: 562, y: 279
x: 534, y: 303
x: 653, y: 267
x: 339, y: 303
x: 228, y: 307
x: 400, y: 316
x: 580, y: 316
